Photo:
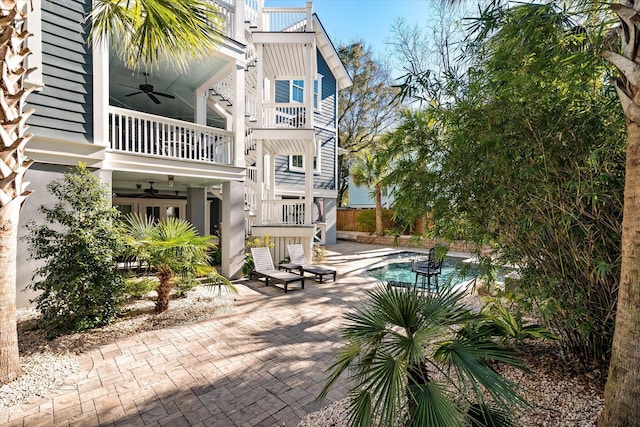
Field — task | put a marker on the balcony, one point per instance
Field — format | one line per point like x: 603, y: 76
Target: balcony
x: 139, y: 133
x: 278, y: 19
x: 283, y: 212
x: 284, y: 116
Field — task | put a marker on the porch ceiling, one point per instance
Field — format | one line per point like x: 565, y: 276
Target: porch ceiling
x: 124, y: 183
x: 165, y: 79
x: 283, y: 53
x: 286, y: 146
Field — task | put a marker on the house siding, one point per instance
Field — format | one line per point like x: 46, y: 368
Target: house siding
x: 64, y: 107
x: 325, y: 126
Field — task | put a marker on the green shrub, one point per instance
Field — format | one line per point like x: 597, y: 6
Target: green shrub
x: 366, y: 220
x: 184, y: 284
x: 78, y: 242
x: 138, y: 287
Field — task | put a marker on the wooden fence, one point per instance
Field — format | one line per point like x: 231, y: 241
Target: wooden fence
x: 347, y: 221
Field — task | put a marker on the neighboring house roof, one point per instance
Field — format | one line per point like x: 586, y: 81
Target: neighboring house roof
x: 330, y: 54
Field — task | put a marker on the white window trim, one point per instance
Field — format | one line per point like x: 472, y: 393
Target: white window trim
x: 318, y: 105
x: 291, y: 86
x: 33, y: 25
x: 317, y: 169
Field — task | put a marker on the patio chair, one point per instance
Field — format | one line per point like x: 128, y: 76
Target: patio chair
x: 263, y: 267
x: 299, y: 262
x: 425, y: 270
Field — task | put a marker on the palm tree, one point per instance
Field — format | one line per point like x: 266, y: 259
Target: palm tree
x: 369, y: 171
x: 145, y: 31
x: 427, y: 354
x: 622, y: 391
x: 171, y: 246
x: 13, y: 165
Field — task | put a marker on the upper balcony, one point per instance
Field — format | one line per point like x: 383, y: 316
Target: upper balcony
x: 133, y: 132
x: 278, y: 19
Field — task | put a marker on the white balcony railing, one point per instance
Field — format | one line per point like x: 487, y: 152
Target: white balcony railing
x: 251, y: 105
x: 224, y: 89
x: 284, y: 116
x: 277, y: 19
x: 141, y: 133
x: 283, y: 212
x: 227, y: 10
x: 283, y: 19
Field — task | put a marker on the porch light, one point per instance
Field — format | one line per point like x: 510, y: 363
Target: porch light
x: 170, y: 181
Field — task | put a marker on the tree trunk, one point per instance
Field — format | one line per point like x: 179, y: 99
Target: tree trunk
x: 622, y: 392
x: 13, y: 165
x: 9, y: 360
x: 163, y: 290
x: 379, y: 227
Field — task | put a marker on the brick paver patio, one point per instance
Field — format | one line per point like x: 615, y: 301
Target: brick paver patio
x: 261, y: 364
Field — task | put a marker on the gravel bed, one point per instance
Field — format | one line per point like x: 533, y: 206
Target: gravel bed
x: 47, y: 363
x: 559, y: 395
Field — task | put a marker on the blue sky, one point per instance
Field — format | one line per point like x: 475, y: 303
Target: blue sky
x: 369, y: 20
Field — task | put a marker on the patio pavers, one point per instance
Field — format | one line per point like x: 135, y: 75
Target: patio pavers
x: 261, y: 364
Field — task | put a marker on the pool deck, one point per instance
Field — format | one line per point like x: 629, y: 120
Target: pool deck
x: 261, y: 364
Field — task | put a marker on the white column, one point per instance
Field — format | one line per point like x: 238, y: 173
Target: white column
x: 238, y: 22
x: 238, y: 110
x: 101, y: 94
x: 259, y: 83
x: 309, y: 7
x: 232, y: 231
x: 200, y: 109
x: 259, y: 180
x: 260, y: 17
x: 308, y: 181
x: 310, y: 76
x: 197, y: 209
x: 272, y: 176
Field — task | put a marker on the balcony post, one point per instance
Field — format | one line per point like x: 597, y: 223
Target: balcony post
x: 310, y: 51
x: 259, y: 181
x: 308, y: 182
x: 309, y: 7
x: 260, y: 22
x: 238, y: 110
x: 259, y: 84
x: 238, y: 21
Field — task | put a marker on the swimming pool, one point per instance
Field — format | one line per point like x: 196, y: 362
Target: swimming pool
x: 397, y: 270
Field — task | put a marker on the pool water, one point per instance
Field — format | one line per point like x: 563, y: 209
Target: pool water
x: 398, y: 271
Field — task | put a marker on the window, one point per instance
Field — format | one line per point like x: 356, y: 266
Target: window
x: 317, y: 93
x: 296, y: 162
x: 297, y: 91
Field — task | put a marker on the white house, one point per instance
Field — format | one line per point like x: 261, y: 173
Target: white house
x: 244, y: 140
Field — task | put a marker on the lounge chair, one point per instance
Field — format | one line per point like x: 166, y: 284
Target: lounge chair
x: 299, y: 262
x: 263, y: 267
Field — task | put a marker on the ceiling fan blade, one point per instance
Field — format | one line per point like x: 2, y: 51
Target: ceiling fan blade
x: 153, y: 98
x: 166, y: 95
x: 132, y: 87
x: 134, y: 93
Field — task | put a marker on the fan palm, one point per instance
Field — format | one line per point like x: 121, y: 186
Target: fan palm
x: 146, y: 30
x: 369, y: 171
x: 171, y: 246
x: 422, y: 360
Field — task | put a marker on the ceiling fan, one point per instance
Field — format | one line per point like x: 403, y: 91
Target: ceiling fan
x: 148, y: 89
x: 151, y: 191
